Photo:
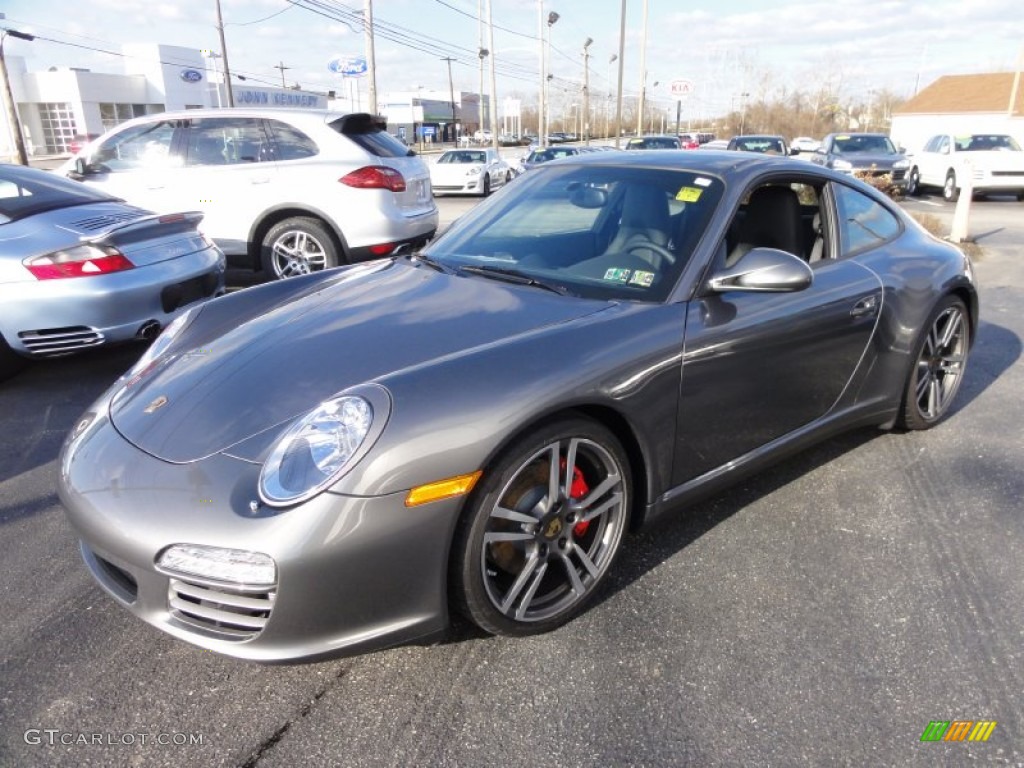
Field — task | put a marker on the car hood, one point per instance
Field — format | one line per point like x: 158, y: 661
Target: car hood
x: 867, y: 159
x: 366, y: 323
x: 995, y: 160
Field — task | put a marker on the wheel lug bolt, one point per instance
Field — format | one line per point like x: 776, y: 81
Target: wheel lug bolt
x: 562, y: 543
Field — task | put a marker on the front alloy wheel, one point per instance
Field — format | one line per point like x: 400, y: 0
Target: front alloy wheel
x: 939, y: 370
x: 544, y: 529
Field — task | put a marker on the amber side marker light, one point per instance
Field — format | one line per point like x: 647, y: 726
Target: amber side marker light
x: 442, y: 489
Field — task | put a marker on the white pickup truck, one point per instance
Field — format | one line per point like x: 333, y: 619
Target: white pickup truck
x: 995, y: 162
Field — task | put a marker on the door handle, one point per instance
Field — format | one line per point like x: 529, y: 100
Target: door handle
x: 865, y: 307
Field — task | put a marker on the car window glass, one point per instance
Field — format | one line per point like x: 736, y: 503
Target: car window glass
x: 855, y: 144
x: 602, y: 232
x: 225, y: 141
x: 863, y: 222
x: 781, y: 215
x: 290, y: 142
x: 141, y: 146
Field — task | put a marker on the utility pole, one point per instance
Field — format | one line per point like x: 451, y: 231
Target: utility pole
x: 280, y: 65
x: 643, y: 76
x: 586, y: 91
x: 482, y: 53
x: 622, y: 52
x: 224, y: 55
x: 371, y: 57
x: 494, y: 86
x: 451, y: 94
x: 542, y: 139
x: 12, y: 108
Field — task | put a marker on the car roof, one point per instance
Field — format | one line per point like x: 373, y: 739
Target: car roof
x: 296, y: 114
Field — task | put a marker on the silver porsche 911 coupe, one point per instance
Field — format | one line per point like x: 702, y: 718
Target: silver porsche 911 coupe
x: 335, y: 463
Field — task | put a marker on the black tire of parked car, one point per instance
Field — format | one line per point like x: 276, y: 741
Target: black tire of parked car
x: 487, y: 185
x: 913, y: 183
x: 298, y: 246
x: 10, y: 362
x: 949, y: 189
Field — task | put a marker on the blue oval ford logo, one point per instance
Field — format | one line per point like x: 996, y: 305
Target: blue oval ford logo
x: 348, y: 66
x: 191, y: 75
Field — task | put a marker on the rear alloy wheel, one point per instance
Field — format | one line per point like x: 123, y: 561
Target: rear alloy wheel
x: 949, y: 190
x: 543, y: 529
x: 941, y: 359
x: 298, y: 246
x: 487, y: 185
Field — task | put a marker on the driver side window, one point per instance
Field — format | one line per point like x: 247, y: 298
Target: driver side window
x: 785, y: 215
x: 140, y: 147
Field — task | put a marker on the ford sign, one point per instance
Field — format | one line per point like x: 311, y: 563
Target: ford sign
x: 191, y: 75
x: 348, y: 66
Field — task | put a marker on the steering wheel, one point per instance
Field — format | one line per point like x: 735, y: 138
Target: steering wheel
x: 650, y: 245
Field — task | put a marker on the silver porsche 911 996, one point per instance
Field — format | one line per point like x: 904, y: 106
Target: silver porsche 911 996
x: 337, y: 462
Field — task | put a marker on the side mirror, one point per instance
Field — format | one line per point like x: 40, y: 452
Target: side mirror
x: 794, y: 151
x: 820, y: 150
x: 766, y: 270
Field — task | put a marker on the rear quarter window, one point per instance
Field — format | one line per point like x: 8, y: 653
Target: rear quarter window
x: 290, y: 143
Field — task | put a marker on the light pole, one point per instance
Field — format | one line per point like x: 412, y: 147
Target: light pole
x: 586, y: 90
x: 12, y: 108
x: 618, y: 99
x: 483, y: 54
x: 451, y: 93
x: 552, y: 18
x: 643, y: 76
x: 494, y: 86
x: 608, y: 101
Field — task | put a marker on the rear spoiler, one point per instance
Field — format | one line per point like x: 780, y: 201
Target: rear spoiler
x: 359, y: 122
x: 140, y: 229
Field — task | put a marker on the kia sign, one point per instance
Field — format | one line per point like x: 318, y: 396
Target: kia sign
x: 348, y: 66
x: 681, y: 87
x: 191, y: 75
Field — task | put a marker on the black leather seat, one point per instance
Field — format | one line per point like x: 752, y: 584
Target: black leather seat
x: 772, y: 220
x: 645, y: 219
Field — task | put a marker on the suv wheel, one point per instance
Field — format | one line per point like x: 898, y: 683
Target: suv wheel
x: 298, y: 246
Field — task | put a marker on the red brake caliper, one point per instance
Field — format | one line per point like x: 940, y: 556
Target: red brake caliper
x: 578, y: 490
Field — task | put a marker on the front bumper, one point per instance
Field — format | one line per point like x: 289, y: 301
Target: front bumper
x: 353, y: 573
x: 54, y: 317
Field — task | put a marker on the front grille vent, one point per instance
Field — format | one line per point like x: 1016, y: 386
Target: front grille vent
x: 234, y: 614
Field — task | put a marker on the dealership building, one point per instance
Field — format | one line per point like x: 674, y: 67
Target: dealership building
x: 57, y: 105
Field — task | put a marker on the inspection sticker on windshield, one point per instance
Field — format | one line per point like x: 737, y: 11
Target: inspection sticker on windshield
x: 689, y: 194
x: 618, y: 275
x: 641, y: 278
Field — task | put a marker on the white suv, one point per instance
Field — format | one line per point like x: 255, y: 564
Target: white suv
x: 286, y: 191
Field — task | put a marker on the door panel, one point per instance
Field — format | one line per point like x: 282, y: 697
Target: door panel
x: 759, y: 365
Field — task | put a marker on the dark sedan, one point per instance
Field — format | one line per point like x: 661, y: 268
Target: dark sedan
x: 335, y: 463
x: 867, y: 153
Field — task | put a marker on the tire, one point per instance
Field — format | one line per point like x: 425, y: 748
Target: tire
x: 509, y: 176
x: 298, y: 246
x: 949, y: 190
x: 940, y: 361
x: 487, y: 186
x: 10, y: 362
x: 1020, y: 196
x: 522, y: 566
x: 913, y: 183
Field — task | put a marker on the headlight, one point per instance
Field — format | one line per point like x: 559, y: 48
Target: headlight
x: 163, y: 341
x: 475, y: 171
x: 842, y: 165
x: 900, y: 165
x: 238, y: 566
x: 316, y: 450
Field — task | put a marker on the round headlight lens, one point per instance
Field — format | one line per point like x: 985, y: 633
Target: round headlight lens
x: 315, y: 451
x: 842, y: 165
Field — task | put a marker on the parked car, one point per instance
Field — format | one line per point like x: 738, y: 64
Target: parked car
x: 80, y: 269
x: 653, y: 142
x: 695, y: 140
x: 870, y: 153
x: 996, y: 165
x: 766, y: 145
x: 338, y: 462
x: 544, y: 155
x: 286, y: 191
x: 716, y: 144
x: 804, y: 144
x: 469, y: 171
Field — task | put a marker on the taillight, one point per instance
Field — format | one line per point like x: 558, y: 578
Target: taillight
x: 80, y: 261
x: 375, y: 177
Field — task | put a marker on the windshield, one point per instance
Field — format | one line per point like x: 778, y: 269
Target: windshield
x: 847, y: 145
x: 462, y: 157
x: 765, y: 144
x: 595, y: 231
x: 543, y: 155
x: 986, y: 142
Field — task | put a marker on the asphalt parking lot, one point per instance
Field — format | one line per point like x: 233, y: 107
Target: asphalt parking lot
x: 824, y: 611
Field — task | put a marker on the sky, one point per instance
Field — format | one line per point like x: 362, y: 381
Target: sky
x: 729, y: 50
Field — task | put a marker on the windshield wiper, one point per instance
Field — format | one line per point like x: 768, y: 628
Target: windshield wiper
x: 428, y: 261
x: 513, y: 276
